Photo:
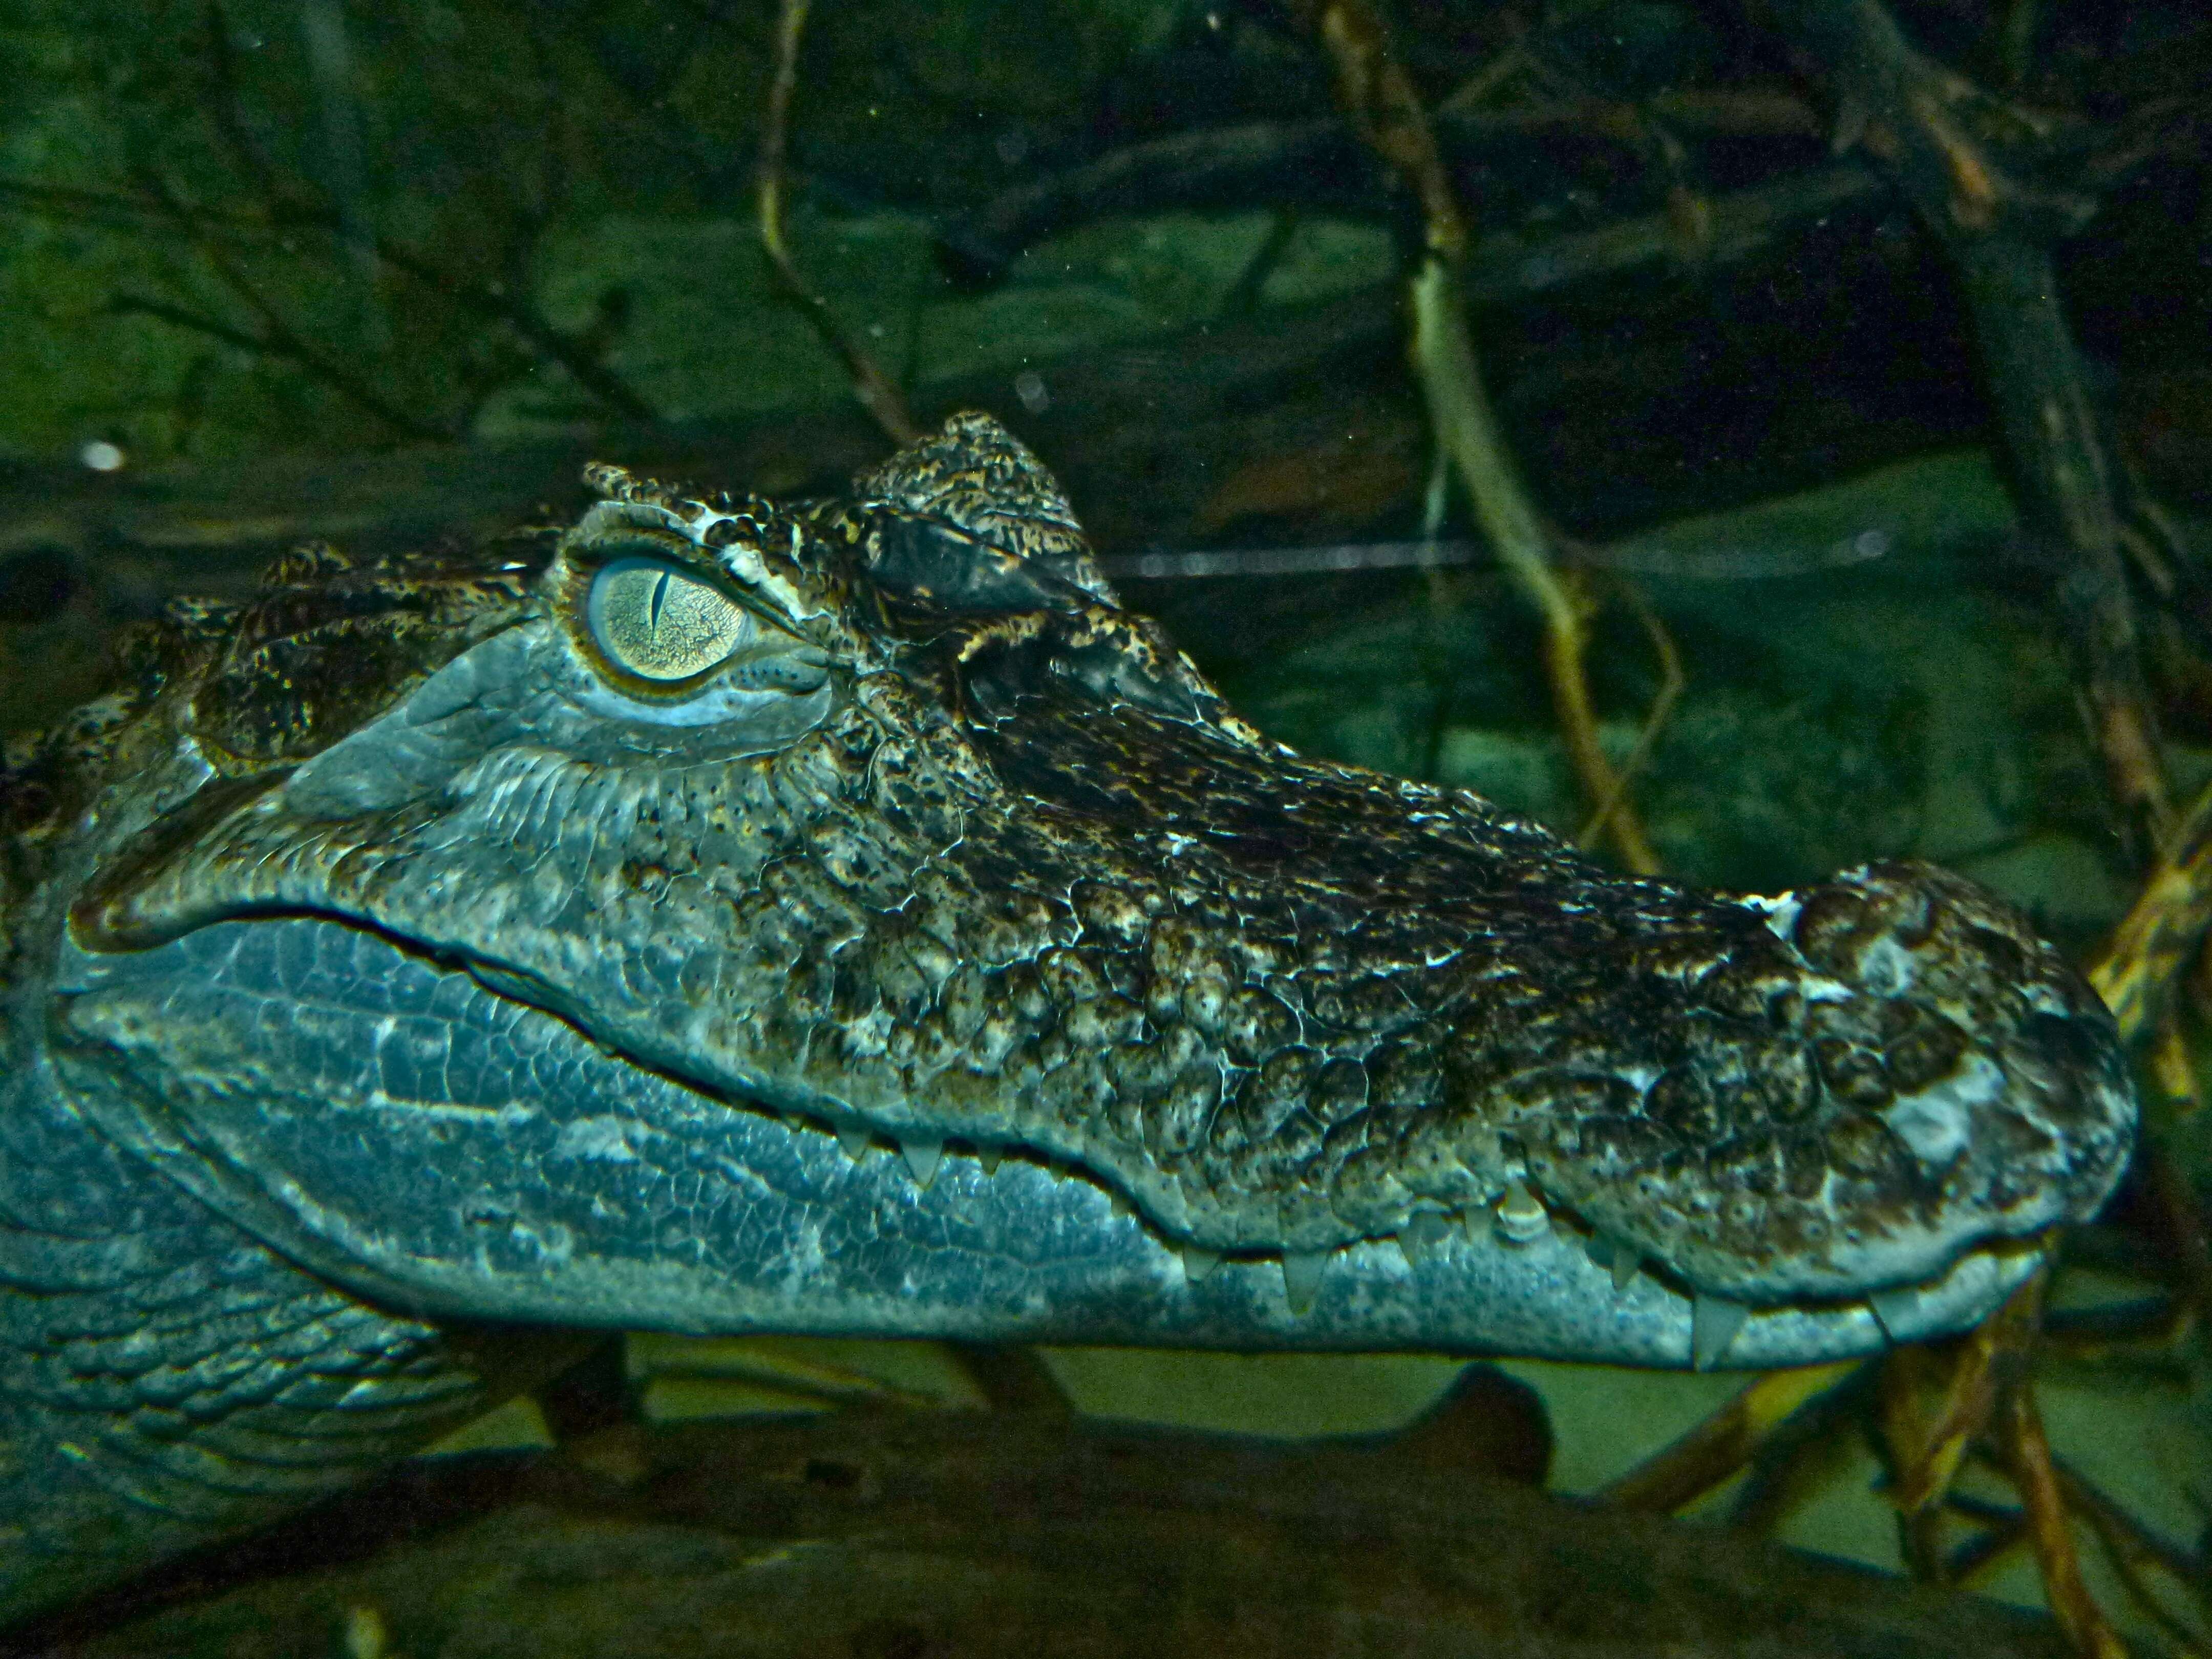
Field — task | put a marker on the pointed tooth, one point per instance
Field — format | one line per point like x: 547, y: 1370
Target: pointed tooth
x: 1422, y: 1237
x: 855, y: 1138
x: 1302, y: 1276
x: 1118, y: 1202
x: 990, y: 1157
x: 1714, y: 1323
x: 1896, y: 1310
x: 922, y: 1157
x: 1197, y: 1261
x: 1619, y: 1256
x: 1521, y: 1214
x: 793, y: 1120
x: 1626, y: 1264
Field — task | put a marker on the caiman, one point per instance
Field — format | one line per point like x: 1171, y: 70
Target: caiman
x: 726, y: 916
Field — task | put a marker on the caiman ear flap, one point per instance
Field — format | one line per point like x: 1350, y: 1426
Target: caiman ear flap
x: 975, y: 477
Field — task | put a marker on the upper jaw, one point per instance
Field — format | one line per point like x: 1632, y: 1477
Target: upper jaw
x: 1579, y: 1283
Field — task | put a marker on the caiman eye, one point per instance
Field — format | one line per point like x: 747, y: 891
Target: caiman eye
x: 662, y: 623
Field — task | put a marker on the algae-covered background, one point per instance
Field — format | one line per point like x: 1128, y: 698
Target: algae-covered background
x: 271, y: 271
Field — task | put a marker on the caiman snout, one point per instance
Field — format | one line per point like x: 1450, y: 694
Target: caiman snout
x: 2005, y: 1079
x: 1901, y: 1074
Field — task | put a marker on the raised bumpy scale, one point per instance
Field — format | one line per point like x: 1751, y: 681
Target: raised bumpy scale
x: 721, y: 915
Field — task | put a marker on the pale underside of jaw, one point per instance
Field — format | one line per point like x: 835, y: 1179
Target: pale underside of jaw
x: 435, y: 1146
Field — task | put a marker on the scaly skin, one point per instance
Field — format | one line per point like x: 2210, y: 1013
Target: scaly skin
x: 387, y: 955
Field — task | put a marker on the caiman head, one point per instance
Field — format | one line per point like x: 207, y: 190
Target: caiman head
x: 721, y: 914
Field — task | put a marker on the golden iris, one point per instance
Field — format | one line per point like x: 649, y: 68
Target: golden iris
x: 661, y: 623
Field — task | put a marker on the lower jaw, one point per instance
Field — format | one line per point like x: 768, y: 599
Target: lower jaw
x: 1108, y: 1279
x: 739, y: 1221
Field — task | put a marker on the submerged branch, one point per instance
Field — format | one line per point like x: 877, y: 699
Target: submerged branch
x: 1004, y: 1535
x: 1965, y: 158
x: 870, y: 384
x: 1387, y: 112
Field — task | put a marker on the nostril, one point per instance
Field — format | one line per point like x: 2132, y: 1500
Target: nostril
x: 1920, y: 1046
x: 2068, y: 1043
x: 1834, y: 925
x: 2003, y: 957
x: 1886, y: 911
x: 2064, y: 997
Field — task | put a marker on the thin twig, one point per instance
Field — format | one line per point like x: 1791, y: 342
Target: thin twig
x: 1917, y: 1477
x: 194, y: 322
x: 276, y: 338
x: 577, y: 354
x: 572, y: 353
x: 285, y: 208
x: 1924, y: 1451
x: 2163, y: 928
x: 870, y: 384
x: 1964, y: 157
x: 2004, y: 1529
x: 203, y: 226
x: 1672, y: 681
x: 2027, y: 1455
x: 1380, y: 99
x: 1443, y: 361
x: 1712, y: 1451
x: 2134, y: 1552
x: 1243, y: 295
x: 1801, y: 1454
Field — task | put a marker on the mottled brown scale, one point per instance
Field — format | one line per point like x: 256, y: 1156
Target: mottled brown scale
x: 321, y: 648
x: 1919, y: 1046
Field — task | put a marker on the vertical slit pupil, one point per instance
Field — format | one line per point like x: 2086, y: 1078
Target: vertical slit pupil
x: 659, y: 595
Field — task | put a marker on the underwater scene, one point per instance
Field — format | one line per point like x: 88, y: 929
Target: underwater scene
x: 897, y: 828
